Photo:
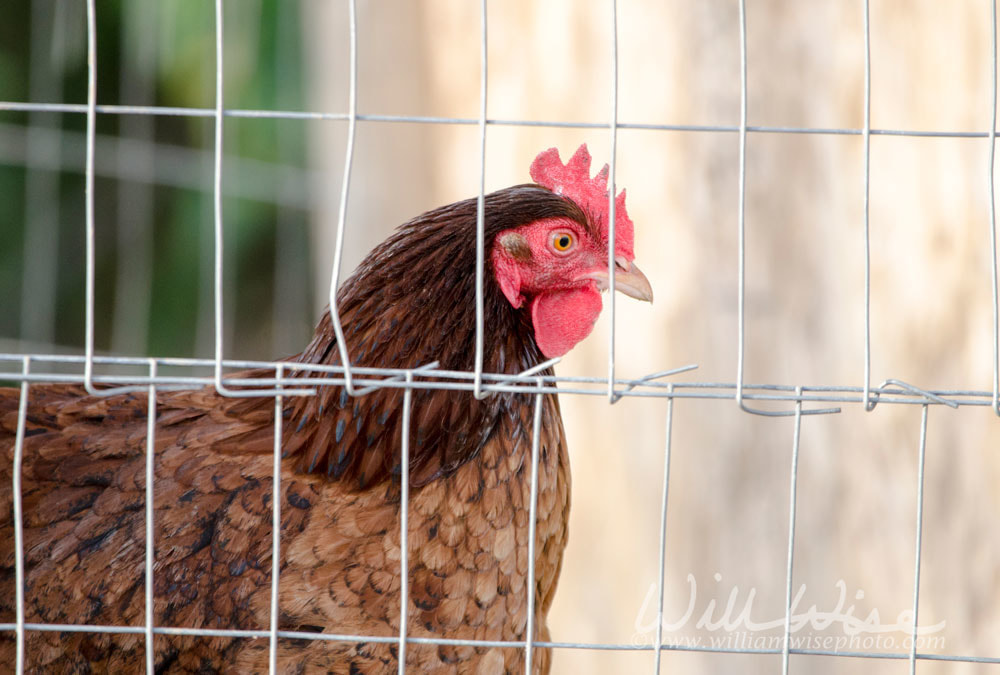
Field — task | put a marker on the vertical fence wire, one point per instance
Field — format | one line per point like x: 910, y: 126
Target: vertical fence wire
x: 741, y: 241
x: 276, y: 524
x: 345, y: 189
x: 866, y: 133
x: 404, y: 524
x: 741, y: 225
x: 613, y: 127
x: 993, y: 206
x: 22, y: 420
x: 89, y: 194
x: 919, y: 536
x: 741, y: 206
x: 89, y: 209
x: 150, y: 510
x: 529, y: 586
x: 663, y: 531
x: 481, y: 204
x: 219, y: 257
x: 792, y: 495
x: 217, y: 197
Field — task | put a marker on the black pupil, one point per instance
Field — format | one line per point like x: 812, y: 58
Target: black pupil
x: 564, y: 241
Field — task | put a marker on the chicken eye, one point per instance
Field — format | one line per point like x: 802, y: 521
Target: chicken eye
x: 562, y: 241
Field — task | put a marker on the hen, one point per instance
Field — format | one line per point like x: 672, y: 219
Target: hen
x: 412, y: 301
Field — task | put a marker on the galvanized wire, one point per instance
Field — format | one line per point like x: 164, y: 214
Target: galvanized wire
x: 529, y: 586
x: 514, y: 644
x: 481, y: 206
x: 741, y: 213
x: 921, y: 463
x: 995, y: 284
x: 527, y: 383
x: 741, y: 241
x: 150, y: 552
x: 177, y: 111
x: 22, y: 420
x: 663, y: 535
x: 792, y: 506
x: 866, y: 133
x: 613, y: 128
x: 404, y: 525
x: 89, y: 192
x: 276, y: 526
x: 338, y: 254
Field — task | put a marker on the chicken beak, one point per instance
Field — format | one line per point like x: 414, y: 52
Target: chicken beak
x: 629, y: 279
x: 633, y: 283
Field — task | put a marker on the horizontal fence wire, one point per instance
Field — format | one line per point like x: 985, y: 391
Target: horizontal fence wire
x: 174, y: 111
x: 91, y: 370
x: 511, y: 644
x: 458, y: 380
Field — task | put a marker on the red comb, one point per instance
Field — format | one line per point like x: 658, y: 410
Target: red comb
x: 573, y: 181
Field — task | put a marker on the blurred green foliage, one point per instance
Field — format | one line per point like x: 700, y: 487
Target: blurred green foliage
x: 263, y: 70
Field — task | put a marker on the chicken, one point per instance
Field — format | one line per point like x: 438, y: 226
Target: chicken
x: 409, y: 303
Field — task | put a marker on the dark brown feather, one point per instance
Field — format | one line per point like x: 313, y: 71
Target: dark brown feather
x: 409, y: 303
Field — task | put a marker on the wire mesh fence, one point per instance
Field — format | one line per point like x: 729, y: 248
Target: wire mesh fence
x: 107, y: 375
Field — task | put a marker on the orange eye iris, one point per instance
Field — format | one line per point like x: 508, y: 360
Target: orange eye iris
x: 562, y: 241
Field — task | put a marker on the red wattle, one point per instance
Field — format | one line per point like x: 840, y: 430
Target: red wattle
x: 563, y: 318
